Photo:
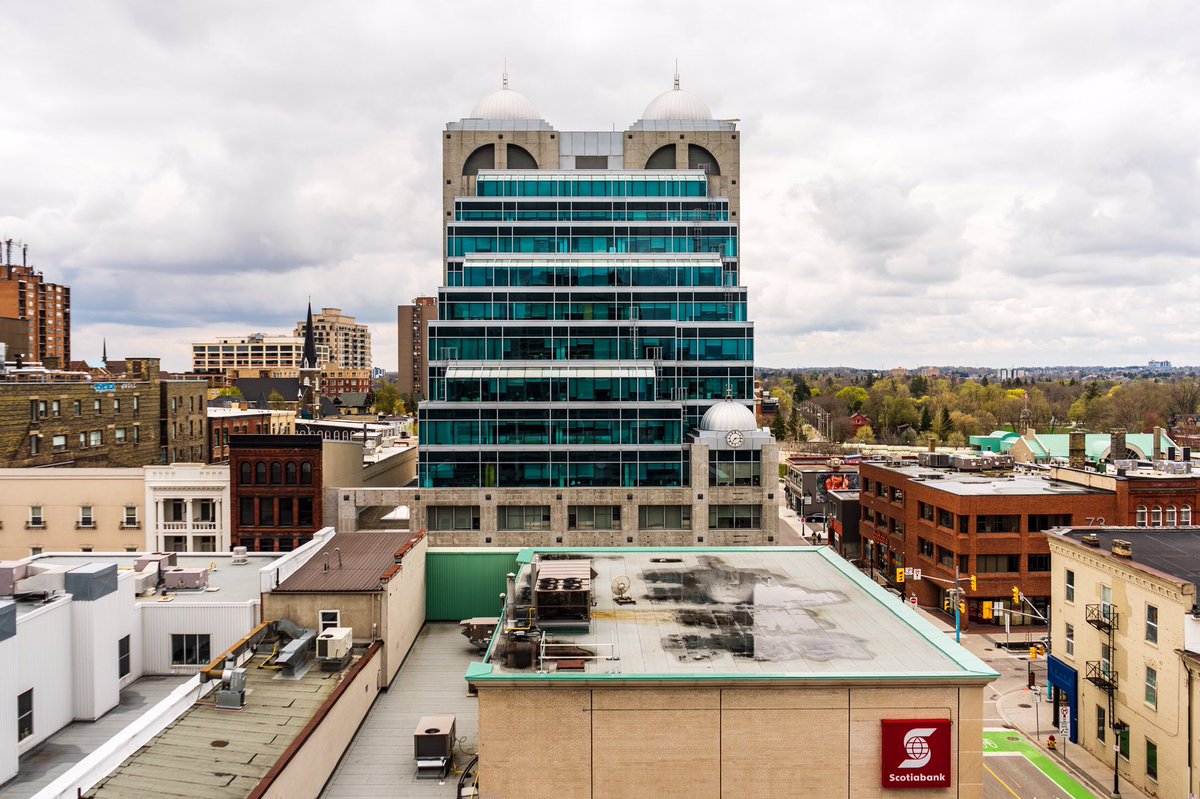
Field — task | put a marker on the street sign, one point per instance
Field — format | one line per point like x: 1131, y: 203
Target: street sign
x: 912, y: 600
x: 912, y: 573
x: 1064, y: 721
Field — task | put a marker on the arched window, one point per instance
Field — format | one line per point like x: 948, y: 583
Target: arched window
x: 483, y: 158
x: 306, y: 473
x: 520, y: 158
x: 700, y: 158
x: 662, y: 158
x: 276, y: 473
x: 1141, y: 516
x: 247, y: 472
x: 291, y: 474
x: 1170, y: 516
x: 1156, y: 516
x: 1185, y: 516
x: 260, y: 472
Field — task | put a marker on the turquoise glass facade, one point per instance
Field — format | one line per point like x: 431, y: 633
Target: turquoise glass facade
x: 582, y: 352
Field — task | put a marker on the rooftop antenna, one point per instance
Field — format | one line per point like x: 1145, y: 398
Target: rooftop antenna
x: 504, y: 75
x: 676, y: 74
x: 728, y: 391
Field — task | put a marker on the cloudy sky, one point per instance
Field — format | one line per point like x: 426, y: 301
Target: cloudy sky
x: 923, y: 182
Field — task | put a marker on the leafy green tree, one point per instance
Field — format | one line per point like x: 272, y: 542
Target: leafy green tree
x: 276, y: 402
x: 918, y: 387
x: 387, y: 398
x: 854, y: 397
x: 230, y: 391
x: 865, y: 435
x: 802, y: 392
x: 926, y: 418
x: 779, y: 427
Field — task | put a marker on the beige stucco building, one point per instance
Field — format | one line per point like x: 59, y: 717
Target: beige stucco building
x: 743, y: 672
x: 1126, y: 649
x: 70, y: 510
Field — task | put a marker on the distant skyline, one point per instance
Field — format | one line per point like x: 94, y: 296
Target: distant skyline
x: 998, y: 185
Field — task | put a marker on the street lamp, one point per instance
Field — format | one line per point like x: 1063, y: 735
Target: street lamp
x: 1118, y: 728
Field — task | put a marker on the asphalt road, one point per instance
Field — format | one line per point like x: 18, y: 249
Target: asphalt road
x: 1010, y: 775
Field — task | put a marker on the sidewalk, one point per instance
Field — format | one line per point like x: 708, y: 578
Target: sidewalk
x: 1017, y: 709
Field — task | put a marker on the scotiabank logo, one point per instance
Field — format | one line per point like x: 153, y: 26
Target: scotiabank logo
x: 916, y: 753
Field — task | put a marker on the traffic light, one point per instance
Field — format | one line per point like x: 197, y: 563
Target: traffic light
x: 946, y: 604
x: 1033, y: 653
x: 899, y: 574
x: 1016, y: 597
x: 987, y: 610
x: 962, y: 608
x: 973, y: 586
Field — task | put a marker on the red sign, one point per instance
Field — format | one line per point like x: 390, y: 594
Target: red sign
x: 916, y: 753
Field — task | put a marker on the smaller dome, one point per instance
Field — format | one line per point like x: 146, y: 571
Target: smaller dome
x: 677, y: 104
x: 505, y: 104
x: 729, y: 415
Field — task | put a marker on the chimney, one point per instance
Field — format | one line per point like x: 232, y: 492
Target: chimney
x: 1171, y: 454
x: 1030, y: 433
x: 510, y: 601
x: 932, y: 444
x: 1077, y: 449
x: 1158, y: 437
x: 1117, y: 447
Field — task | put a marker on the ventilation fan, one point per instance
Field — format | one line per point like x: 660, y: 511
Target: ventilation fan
x: 620, y: 586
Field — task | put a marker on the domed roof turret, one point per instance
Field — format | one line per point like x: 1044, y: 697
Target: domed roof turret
x: 728, y: 415
x: 677, y: 104
x: 505, y: 104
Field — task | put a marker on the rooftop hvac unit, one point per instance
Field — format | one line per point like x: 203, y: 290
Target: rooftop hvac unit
x: 232, y: 695
x: 333, y: 648
x: 433, y: 746
x: 934, y: 460
x: 42, y: 582
x: 239, y: 556
x: 186, y: 579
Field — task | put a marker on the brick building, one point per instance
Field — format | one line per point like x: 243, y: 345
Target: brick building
x: 275, y: 490
x: 226, y: 422
x: 412, y: 322
x: 63, y: 418
x: 942, y: 519
x: 45, y: 308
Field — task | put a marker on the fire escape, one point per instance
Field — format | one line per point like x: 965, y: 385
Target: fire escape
x: 1100, y: 672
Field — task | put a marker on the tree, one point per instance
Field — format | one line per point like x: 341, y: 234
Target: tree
x: 779, y: 427
x: 230, y: 391
x: 854, y: 397
x: 796, y: 425
x: 802, y: 392
x: 387, y: 398
x: 926, y: 418
x: 865, y: 435
x: 276, y: 402
x: 918, y: 387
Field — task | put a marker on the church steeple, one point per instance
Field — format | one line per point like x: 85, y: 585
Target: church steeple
x: 104, y: 353
x: 309, y: 359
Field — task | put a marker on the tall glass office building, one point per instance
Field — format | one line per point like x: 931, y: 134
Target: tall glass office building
x: 592, y: 310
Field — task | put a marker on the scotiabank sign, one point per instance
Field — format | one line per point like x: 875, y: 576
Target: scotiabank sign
x: 916, y: 753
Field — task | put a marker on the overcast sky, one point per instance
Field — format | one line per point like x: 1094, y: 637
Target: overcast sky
x: 923, y: 182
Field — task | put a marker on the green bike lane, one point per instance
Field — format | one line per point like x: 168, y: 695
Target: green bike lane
x: 1016, y: 768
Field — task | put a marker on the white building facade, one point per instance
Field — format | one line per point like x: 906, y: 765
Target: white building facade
x: 187, y: 508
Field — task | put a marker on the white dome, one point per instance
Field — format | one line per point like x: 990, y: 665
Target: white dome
x: 677, y: 104
x: 505, y: 104
x: 729, y: 415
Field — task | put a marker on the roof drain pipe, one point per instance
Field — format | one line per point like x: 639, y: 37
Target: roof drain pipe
x: 510, y: 600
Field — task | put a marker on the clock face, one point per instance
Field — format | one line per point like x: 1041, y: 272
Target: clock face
x: 734, y: 438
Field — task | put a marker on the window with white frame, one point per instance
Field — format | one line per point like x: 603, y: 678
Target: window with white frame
x: 1170, y: 516
x: 86, y: 517
x: 329, y: 618
x: 119, y: 435
x: 1070, y: 593
x: 1141, y: 515
x: 59, y: 443
x: 1156, y: 516
x: 188, y: 649
x: 1185, y: 516
x: 1151, y: 624
x: 36, y: 519
x: 1151, y: 687
x: 1106, y: 606
x: 95, y: 438
x: 130, y: 519
x: 1070, y: 640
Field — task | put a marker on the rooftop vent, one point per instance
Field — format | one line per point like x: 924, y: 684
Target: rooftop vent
x: 1122, y: 548
x: 1091, y: 540
x: 239, y: 556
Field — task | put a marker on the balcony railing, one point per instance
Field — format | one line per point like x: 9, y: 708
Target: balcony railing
x: 1102, y: 617
x: 184, y: 526
x: 1100, y: 675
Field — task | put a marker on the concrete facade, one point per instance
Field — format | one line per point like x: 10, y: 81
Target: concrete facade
x: 187, y: 508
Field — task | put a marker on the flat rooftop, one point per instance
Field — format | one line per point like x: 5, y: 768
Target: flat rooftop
x: 742, y: 613
x: 229, y: 583
x: 213, y: 754
x: 974, y: 484
x: 1173, y: 551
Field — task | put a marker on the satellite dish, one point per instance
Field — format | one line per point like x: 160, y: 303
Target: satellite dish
x: 620, y: 585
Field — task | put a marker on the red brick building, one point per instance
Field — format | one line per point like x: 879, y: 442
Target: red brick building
x: 44, y: 306
x: 940, y: 520
x: 226, y: 422
x: 275, y: 491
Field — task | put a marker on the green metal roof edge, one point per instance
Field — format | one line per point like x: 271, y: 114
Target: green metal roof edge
x: 482, y: 672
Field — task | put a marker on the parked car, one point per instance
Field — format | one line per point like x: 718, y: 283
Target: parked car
x: 815, y: 518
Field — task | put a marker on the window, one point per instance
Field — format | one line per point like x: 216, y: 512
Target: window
x: 328, y: 618
x: 1152, y: 687
x: 1171, y: 516
x: 925, y: 546
x: 306, y: 473
x: 1070, y: 635
x: 1039, y: 522
x: 290, y: 474
x: 276, y: 473
x: 119, y: 435
x: 964, y: 564
x: 995, y: 523
x: 136, y: 405
x: 1106, y: 606
x: 1151, y: 760
x: 1070, y: 593
x: 36, y: 519
x: 95, y: 438
x: 594, y: 517
x: 123, y: 657
x: 1101, y: 723
x: 131, y: 516
x: 304, y: 511
x: 37, y: 409
x: 1151, y: 624
x: 993, y: 564
x: 246, y: 511
x: 55, y: 408
x: 116, y: 404
x: 34, y: 444
x: 86, y: 518
x: 59, y: 443
x: 734, y: 517
x: 1185, y: 516
x: 246, y: 473
x: 664, y: 517
x: 1123, y: 741
x: 77, y: 407
x: 96, y: 406
x: 925, y: 511
x: 945, y: 557
x: 266, y: 512
x: 260, y: 472
x: 1039, y: 563
x: 1105, y: 659
x: 449, y: 517
x: 188, y: 649
x: 1141, y: 516
x: 1156, y: 516
x: 175, y: 510
x: 137, y: 434
x: 25, y: 715
x: 945, y: 519
x: 287, y: 512
x: 523, y: 517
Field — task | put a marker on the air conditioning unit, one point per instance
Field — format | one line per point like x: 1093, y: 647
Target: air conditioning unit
x: 333, y: 648
x: 239, y: 556
x: 185, y: 579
